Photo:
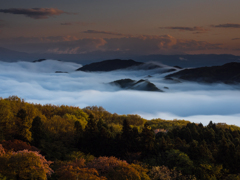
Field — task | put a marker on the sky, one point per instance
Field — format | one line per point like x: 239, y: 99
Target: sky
x: 136, y: 27
x: 38, y: 83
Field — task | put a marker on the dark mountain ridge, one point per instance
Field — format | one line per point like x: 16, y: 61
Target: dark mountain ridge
x: 110, y: 65
x: 228, y: 73
x: 117, y: 64
x: 142, y: 85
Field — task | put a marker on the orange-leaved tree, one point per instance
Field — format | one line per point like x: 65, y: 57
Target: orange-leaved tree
x: 115, y: 169
x: 25, y: 165
x: 76, y: 170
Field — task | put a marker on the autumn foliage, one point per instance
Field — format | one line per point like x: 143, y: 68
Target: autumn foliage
x: 25, y: 165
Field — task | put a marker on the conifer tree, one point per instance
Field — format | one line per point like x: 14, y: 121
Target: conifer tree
x: 126, y: 137
x: 37, y: 131
x: 78, y: 135
x: 23, y: 125
x: 147, y: 138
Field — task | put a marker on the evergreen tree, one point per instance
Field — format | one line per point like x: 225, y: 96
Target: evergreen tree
x: 90, y: 136
x: 126, y: 136
x: 147, y: 138
x: 78, y: 133
x: 37, y: 131
x: 23, y: 125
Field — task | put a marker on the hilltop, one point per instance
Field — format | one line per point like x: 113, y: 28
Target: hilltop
x: 228, y: 73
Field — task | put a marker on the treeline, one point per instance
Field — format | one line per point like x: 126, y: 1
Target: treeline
x: 67, y: 142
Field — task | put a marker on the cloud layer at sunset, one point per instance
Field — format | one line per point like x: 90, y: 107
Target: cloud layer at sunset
x: 144, y: 44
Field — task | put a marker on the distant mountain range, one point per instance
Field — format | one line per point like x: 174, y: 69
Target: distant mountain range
x: 10, y: 55
x: 228, y: 73
x: 198, y: 60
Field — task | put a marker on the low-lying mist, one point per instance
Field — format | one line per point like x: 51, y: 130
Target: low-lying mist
x: 38, y: 83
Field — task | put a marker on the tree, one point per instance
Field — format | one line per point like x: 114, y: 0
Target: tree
x: 25, y: 165
x: 24, y: 125
x: 90, y: 136
x: 126, y: 136
x: 91, y: 128
x: 147, y: 138
x: 142, y: 171
x: 209, y: 171
x: 124, y: 172
x: 105, y: 164
x: 76, y: 170
x: 78, y: 132
x: 17, y: 145
x: 180, y: 160
x: 37, y: 131
x: 161, y: 172
x: 6, y: 120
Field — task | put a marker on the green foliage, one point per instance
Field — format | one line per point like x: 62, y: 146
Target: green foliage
x: 181, y: 150
x: 180, y: 161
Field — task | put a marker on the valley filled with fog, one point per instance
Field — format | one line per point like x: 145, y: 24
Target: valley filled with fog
x: 38, y: 83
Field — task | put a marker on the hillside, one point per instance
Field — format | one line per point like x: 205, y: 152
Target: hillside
x: 228, y: 73
x: 109, y: 65
x: 67, y: 142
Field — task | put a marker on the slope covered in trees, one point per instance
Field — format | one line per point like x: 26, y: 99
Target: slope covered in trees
x: 65, y: 142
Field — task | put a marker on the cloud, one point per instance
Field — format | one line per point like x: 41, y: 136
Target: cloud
x: 236, y: 39
x: 37, y: 83
x: 79, y: 46
x: 75, y: 23
x: 227, y: 25
x: 191, y: 45
x: 103, y: 32
x: 35, y: 13
x: 44, y: 39
x: 137, y: 45
x: 156, y: 44
x: 181, y: 28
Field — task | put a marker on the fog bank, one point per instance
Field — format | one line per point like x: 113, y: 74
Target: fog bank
x: 38, y: 83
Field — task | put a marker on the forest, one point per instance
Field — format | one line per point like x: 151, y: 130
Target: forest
x: 66, y: 142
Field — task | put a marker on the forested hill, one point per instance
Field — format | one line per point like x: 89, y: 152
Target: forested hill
x: 66, y: 142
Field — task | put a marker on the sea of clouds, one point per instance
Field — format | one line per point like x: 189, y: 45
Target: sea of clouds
x: 38, y: 83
